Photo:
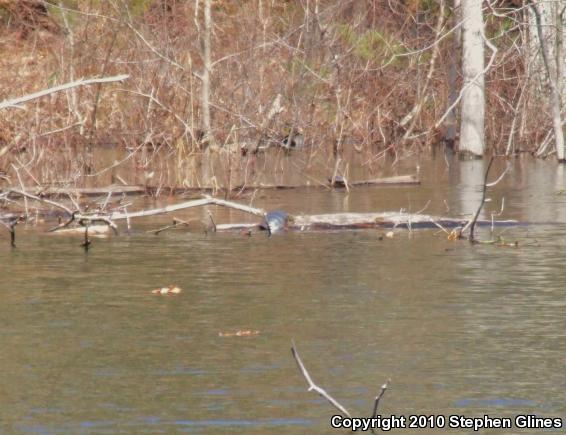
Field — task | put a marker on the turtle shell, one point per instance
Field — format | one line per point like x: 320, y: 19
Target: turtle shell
x: 277, y: 220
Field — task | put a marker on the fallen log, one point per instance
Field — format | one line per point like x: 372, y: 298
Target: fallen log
x: 353, y: 221
x: 94, y: 230
x: 207, y: 200
x: 389, y: 181
x: 110, y: 217
x: 398, y: 180
x: 54, y: 191
x: 331, y: 221
x: 339, y: 221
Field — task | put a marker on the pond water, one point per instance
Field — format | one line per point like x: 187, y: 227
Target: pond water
x: 459, y: 329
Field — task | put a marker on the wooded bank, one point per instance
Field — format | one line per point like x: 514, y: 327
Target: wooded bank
x: 381, y: 79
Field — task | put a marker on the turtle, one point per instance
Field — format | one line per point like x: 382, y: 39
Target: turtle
x: 275, y: 221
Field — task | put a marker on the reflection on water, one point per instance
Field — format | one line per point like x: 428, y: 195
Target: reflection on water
x: 86, y: 348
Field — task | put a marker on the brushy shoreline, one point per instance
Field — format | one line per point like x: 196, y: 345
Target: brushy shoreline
x: 344, y: 77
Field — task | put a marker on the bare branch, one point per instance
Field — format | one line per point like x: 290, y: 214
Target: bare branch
x: 312, y: 385
x: 39, y: 199
x: 378, y: 398
x: 472, y: 222
x: 14, y: 102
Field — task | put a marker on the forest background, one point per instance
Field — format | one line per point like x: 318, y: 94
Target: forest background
x: 225, y: 83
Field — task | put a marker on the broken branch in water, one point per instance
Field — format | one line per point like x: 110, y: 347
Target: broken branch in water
x: 312, y: 385
x: 76, y: 215
x: 323, y: 393
x: 86, y: 244
x: 176, y: 224
x: 471, y: 225
x: 10, y: 225
x: 378, y: 398
x: 212, y: 223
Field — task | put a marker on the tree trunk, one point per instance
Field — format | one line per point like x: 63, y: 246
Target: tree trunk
x: 550, y: 42
x: 472, y: 135
x: 205, y: 76
x: 452, y: 118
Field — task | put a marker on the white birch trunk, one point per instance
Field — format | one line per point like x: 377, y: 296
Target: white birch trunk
x: 550, y: 49
x: 472, y: 135
x: 547, y: 29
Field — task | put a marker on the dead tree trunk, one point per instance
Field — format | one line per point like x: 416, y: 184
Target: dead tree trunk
x: 206, y: 48
x: 552, y: 72
x: 472, y: 135
x: 452, y: 119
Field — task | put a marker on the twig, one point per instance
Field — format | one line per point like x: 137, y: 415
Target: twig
x: 212, y: 222
x: 23, y: 188
x: 378, y: 398
x: 86, y: 244
x: 62, y: 224
x: 312, y: 385
x: 14, y: 102
x: 128, y: 221
x: 472, y: 222
x: 43, y: 200
x: 497, y: 214
x: 424, y: 208
x: 11, y: 227
x: 439, y: 226
x: 175, y: 224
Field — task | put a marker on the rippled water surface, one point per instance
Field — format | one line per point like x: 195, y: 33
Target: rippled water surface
x: 86, y: 348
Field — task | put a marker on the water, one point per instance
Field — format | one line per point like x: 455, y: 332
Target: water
x: 459, y: 329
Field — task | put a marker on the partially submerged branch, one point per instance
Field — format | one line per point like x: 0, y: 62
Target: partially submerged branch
x: 10, y: 223
x: 323, y: 393
x: 378, y: 398
x: 471, y: 225
x: 312, y: 385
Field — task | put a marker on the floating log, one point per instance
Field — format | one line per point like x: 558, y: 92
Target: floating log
x: 337, y: 221
x: 351, y: 221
